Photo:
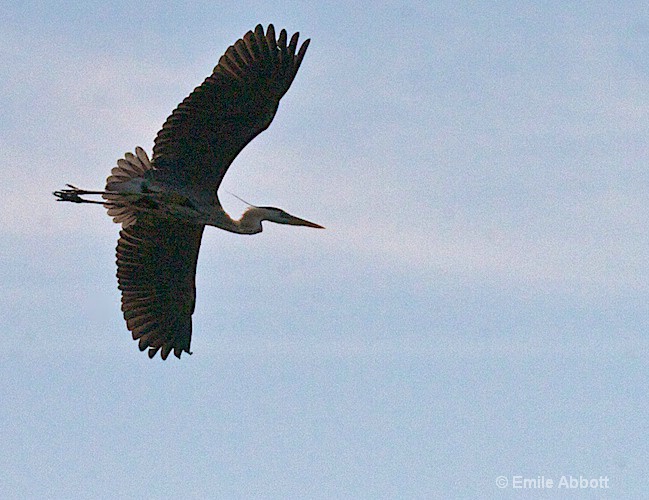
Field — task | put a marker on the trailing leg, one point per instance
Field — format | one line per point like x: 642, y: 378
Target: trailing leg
x: 74, y: 195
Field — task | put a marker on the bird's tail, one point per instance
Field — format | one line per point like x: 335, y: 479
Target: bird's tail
x: 127, y: 176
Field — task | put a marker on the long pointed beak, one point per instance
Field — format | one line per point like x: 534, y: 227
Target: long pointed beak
x: 296, y: 221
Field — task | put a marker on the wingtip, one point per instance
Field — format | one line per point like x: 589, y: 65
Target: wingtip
x: 179, y: 352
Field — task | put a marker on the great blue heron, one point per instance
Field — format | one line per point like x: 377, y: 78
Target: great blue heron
x: 165, y: 203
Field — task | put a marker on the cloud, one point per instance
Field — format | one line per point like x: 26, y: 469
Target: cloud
x: 504, y: 165
x: 428, y: 347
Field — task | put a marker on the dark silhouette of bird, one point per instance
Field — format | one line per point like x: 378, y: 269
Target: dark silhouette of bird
x: 164, y: 203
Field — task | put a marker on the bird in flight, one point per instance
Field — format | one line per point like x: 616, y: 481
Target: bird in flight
x: 164, y: 203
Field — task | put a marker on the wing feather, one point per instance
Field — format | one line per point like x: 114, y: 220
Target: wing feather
x: 156, y: 268
x: 204, y: 134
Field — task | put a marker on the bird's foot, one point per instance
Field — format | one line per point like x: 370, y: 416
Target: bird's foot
x: 73, y: 194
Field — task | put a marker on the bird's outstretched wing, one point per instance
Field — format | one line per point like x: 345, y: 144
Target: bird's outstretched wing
x: 204, y: 134
x: 156, y: 266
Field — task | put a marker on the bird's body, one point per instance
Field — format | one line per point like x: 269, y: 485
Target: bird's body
x: 164, y: 203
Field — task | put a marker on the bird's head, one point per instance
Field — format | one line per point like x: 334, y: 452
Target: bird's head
x: 279, y: 216
x: 252, y: 217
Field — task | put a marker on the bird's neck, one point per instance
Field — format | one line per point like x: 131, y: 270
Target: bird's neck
x: 249, y: 223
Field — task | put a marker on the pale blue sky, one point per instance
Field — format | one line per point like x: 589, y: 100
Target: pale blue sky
x: 477, y: 306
